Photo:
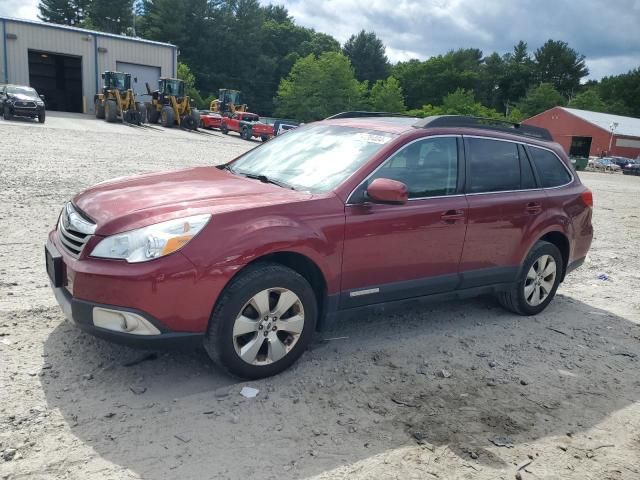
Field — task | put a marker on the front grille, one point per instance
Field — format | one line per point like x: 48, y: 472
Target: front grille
x: 74, y: 230
x: 25, y: 104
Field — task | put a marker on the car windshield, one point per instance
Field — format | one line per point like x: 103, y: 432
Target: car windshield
x: 250, y: 118
x: 27, y: 91
x: 315, y: 158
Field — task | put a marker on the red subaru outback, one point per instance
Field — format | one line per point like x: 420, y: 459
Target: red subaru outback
x: 351, y: 213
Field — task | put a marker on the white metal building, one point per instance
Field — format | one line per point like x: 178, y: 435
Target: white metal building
x: 65, y: 64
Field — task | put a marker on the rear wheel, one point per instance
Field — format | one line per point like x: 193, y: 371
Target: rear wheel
x: 167, y: 117
x: 99, y: 109
x: 142, y: 112
x: 224, y: 129
x: 539, y: 279
x: 264, y: 138
x: 262, y: 322
x: 195, y: 114
x: 110, y: 111
x: 152, y: 114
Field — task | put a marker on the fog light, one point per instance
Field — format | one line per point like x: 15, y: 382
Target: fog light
x: 120, y: 321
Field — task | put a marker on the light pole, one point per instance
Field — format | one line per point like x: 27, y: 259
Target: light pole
x: 612, y: 127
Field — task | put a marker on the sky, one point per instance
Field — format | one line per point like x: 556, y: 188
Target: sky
x: 607, y: 32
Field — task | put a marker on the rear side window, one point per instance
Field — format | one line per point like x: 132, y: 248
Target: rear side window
x: 550, y: 169
x: 494, y: 166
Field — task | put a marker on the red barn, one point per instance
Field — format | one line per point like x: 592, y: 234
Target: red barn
x: 583, y: 133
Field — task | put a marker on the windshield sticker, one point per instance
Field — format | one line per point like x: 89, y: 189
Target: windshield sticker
x: 371, y: 138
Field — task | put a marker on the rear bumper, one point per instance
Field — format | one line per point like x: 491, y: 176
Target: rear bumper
x: 80, y: 312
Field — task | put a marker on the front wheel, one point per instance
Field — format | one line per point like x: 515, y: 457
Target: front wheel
x: 41, y: 117
x: 262, y: 322
x: 264, y: 138
x: 7, y: 113
x: 539, y: 279
x: 224, y: 129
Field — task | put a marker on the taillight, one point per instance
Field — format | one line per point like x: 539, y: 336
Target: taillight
x: 587, y: 198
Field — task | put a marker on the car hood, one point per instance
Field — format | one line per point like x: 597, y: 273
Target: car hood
x: 133, y: 202
x: 22, y: 97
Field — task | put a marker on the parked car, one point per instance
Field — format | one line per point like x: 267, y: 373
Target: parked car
x: 605, y: 164
x: 210, y: 120
x: 248, y: 125
x: 332, y: 219
x: 620, y: 161
x: 632, y: 168
x: 21, y: 101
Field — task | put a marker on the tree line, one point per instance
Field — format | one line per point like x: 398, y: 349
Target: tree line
x: 293, y: 71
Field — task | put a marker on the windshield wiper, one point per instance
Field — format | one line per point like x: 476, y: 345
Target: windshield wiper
x: 265, y: 179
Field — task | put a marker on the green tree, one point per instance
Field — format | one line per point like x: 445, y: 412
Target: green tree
x: 63, y: 12
x: 463, y: 102
x: 518, y: 75
x: 561, y: 66
x: 319, y: 87
x: 622, y: 93
x: 367, y: 55
x: 589, y: 99
x: 386, y: 96
x: 112, y: 16
x: 539, y: 99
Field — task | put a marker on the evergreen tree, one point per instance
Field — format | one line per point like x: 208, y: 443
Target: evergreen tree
x: 367, y: 55
x: 540, y: 98
x: 561, y: 66
x: 112, y: 16
x: 63, y: 12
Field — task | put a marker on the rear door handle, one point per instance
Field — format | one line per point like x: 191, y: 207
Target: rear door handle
x: 452, y: 216
x: 534, y: 207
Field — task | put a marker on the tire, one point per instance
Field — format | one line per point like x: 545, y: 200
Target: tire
x: 7, y: 113
x: 41, y: 117
x: 111, y: 111
x: 224, y: 129
x: 235, y: 302
x: 521, y: 298
x: 152, y: 114
x: 244, y: 133
x: 167, y: 118
x: 264, y: 138
x: 195, y: 114
x: 99, y: 108
x: 188, y: 123
x: 142, y: 112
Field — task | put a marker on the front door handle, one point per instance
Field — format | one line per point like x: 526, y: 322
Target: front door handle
x: 534, y: 208
x: 452, y: 216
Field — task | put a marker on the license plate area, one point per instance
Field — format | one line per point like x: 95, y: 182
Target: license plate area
x: 55, y: 266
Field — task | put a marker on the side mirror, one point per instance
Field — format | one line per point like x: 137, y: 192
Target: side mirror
x: 385, y: 190
x: 42, y: 97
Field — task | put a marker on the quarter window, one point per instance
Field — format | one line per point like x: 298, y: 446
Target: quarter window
x: 427, y: 167
x: 494, y: 166
x: 550, y: 170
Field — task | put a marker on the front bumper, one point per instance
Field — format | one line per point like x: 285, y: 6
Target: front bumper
x: 81, y: 313
x: 25, y: 112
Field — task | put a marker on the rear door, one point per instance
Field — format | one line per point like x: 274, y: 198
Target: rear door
x: 393, y: 252
x: 504, y: 204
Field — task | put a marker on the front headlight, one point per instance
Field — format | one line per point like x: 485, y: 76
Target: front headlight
x: 151, y: 242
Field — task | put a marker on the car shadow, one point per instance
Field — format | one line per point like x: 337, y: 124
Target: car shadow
x: 466, y: 375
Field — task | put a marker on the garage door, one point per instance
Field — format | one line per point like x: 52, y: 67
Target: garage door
x: 139, y: 75
x: 58, y: 78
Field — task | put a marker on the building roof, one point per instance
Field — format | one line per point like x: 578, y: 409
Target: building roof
x: 84, y: 30
x: 627, y: 126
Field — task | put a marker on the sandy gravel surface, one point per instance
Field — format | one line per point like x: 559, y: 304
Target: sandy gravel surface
x: 451, y: 391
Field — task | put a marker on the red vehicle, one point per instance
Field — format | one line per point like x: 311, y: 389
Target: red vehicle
x: 210, y: 120
x: 248, y: 125
x: 350, y: 213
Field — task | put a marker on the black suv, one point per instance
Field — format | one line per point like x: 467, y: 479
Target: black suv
x: 20, y: 101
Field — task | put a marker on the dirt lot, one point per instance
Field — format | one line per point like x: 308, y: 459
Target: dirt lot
x: 452, y: 391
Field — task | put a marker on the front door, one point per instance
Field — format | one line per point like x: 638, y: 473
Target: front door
x: 393, y: 252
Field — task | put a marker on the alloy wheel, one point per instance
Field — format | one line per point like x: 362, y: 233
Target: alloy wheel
x: 268, y: 326
x: 540, y: 280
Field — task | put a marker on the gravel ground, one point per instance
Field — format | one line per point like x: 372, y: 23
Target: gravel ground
x: 454, y: 390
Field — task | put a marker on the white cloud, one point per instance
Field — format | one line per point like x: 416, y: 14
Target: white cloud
x: 27, y: 9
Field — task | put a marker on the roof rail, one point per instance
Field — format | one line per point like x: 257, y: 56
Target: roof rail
x: 360, y: 114
x: 484, y: 123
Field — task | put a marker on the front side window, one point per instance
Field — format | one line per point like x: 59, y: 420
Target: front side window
x: 494, y: 166
x: 550, y: 170
x: 316, y: 157
x: 428, y: 167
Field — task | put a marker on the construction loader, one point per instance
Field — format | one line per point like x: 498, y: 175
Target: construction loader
x: 117, y: 100
x: 228, y: 103
x: 171, y: 106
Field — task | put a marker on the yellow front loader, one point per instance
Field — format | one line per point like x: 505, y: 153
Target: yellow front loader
x: 171, y: 106
x: 117, y: 100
